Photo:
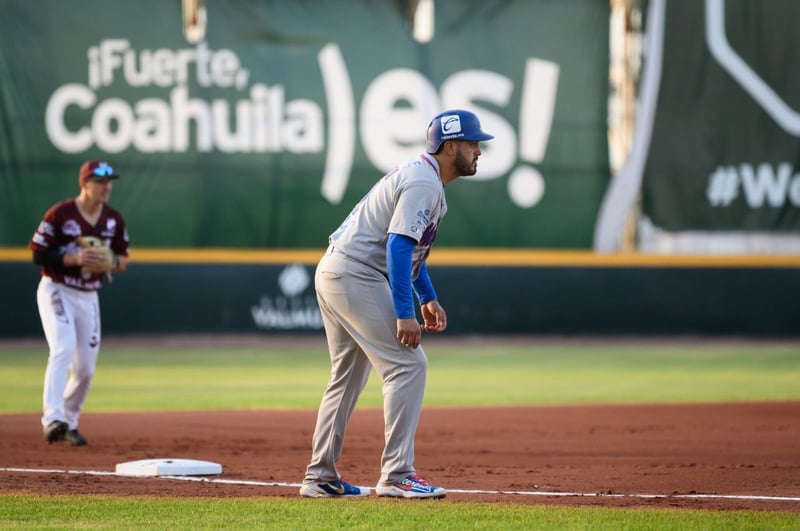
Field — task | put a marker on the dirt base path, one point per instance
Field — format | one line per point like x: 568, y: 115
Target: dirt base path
x: 603, y: 455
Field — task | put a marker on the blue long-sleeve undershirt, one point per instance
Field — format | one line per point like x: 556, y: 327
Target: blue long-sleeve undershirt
x: 398, y: 262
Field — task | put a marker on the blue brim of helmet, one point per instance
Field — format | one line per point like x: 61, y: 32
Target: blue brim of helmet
x: 478, y: 138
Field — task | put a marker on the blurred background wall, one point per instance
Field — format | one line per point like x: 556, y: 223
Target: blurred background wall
x: 642, y: 178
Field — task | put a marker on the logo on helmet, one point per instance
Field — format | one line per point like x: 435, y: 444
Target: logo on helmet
x: 451, y: 124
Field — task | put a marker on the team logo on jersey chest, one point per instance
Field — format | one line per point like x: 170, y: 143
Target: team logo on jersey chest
x: 71, y: 228
x: 111, y: 228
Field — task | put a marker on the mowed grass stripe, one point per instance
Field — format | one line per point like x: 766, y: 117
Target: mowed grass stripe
x: 182, y: 378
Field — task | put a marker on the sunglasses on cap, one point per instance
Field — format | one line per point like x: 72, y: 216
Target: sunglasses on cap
x: 103, y: 170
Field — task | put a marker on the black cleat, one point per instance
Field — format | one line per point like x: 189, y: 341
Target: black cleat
x: 55, y: 431
x: 75, y: 438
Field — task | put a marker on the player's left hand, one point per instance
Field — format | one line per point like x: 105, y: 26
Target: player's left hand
x: 434, y: 316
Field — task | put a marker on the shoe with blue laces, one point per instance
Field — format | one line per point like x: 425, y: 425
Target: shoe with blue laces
x: 332, y: 489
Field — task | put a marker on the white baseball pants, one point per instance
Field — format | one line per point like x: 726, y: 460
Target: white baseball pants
x: 71, y: 323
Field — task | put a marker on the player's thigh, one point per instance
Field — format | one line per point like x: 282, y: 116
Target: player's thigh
x: 366, y: 303
x: 357, y: 304
x: 374, y: 324
x: 88, y: 333
x: 56, y: 311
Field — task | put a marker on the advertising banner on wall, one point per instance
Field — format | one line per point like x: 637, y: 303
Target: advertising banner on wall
x: 725, y: 151
x: 265, y: 133
x: 715, y: 163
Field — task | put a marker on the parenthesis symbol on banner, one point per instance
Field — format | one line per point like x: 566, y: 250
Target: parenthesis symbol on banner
x: 341, y: 123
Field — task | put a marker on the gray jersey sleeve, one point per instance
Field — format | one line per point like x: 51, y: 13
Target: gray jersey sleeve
x: 414, y: 208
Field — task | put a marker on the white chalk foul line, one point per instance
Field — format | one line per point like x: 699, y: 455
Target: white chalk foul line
x: 58, y: 471
x: 450, y: 491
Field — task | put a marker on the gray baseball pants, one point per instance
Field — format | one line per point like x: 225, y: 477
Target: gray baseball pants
x: 361, y: 328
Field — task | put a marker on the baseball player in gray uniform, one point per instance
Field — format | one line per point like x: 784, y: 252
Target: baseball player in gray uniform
x: 365, y: 286
x: 67, y: 295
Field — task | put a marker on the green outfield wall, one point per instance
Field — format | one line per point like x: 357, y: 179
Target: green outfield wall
x: 544, y: 294
x: 242, y: 151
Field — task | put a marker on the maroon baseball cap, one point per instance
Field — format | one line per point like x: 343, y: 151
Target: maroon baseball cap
x: 96, y: 169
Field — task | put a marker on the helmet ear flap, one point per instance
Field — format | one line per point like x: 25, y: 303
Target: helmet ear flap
x: 434, y: 139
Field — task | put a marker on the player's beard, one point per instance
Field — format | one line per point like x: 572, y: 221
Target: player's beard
x: 465, y: 166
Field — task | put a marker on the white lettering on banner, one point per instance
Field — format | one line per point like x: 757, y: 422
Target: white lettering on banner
x: 290, y: 310
x: 460, y: 90
x: 390, y: 133
x: 263, y: 123
x: 280, y: 313
x: 164, y: 67
x: 80, y: 117
x: 762, y: 186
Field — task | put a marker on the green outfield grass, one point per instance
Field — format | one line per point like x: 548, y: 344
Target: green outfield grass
x: 98, y: 512
x: 182, y: 378
x: 130, y: 379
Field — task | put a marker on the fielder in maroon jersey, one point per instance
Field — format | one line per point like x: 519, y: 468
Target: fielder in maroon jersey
x: 67, y: 296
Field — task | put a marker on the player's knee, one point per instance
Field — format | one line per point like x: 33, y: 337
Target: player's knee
x: 418, y: 367
x: 63, y: 351
x: 83, y: 373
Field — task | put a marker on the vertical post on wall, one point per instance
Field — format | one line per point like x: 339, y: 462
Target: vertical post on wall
x: 194, y: 20
x: 420, y: 16
x: 625, y: 34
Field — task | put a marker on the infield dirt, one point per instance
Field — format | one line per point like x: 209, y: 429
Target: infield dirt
x: 747, y: 449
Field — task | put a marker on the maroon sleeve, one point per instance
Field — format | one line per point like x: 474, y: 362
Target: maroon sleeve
x: 117, y: 232
x: 45, y: 237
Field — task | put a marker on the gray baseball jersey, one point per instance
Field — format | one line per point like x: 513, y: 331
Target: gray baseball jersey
x: 409, y: 200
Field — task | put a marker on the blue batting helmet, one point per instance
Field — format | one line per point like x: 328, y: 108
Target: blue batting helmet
x: 455, y: 124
